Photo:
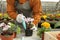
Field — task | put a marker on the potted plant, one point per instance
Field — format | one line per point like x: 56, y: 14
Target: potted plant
x: 51, y: 17
x: 8, y: 29
x: 29, y: 30
x: 58, y: 36
x: 45, y: 26
x: 57, y: 17
x: 44, y: 17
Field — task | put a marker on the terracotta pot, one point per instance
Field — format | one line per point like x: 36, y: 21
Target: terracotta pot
x: 58, y: 36
x: 11, y: 37
x: 43, y: 36
x: 15, y: 34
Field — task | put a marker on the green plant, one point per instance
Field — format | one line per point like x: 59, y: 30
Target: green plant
x: 9, y: 28
x: 14, y: 28
x: 51, y: 17
x: 5, y: 15
x: 57, y: 25
x: 45, y: 26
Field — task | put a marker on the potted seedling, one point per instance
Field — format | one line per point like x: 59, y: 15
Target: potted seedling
x: 45, y: 26
x: 8, y: 30
x: 29, y: 31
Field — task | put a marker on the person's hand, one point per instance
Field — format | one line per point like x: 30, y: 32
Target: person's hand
x: 20, y: 18
x: 34, y: 28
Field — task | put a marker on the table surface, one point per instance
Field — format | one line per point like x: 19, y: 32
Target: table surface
x: 22, y: 37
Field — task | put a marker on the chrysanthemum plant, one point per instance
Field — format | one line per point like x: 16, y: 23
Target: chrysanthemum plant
x: 45, y: 27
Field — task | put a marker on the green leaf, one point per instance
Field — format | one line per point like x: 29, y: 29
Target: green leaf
x: 18, y: 30
x: 57, y: 24
x: 40, y: 31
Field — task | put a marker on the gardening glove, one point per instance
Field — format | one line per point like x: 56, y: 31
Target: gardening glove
x: 34, y: 28
x: 20, y: 18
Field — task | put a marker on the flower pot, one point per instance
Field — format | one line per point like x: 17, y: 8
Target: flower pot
x: 14, y: 34
x: 58, y: 36
x: 28, y: 32
x: 10, y: 37
x: 43, y: 36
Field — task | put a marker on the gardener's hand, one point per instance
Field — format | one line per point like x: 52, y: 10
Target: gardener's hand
x: 34, y: 28
x: 20, y: 17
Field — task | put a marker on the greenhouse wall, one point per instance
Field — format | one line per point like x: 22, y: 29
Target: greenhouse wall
x: 48, y: 7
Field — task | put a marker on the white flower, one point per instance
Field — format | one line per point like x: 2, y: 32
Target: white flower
x: 29, y: 20
x: 9, y: 23
x: 2, y: 24
x: 6, y: 27
x: 34, y: 28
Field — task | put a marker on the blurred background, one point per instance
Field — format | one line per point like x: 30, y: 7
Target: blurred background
x: 48, y: 6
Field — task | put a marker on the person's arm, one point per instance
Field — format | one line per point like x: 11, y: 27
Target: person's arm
x: 11, y: 9
x: 37, y: 10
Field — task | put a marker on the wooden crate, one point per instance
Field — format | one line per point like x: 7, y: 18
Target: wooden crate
x: 51, y: 35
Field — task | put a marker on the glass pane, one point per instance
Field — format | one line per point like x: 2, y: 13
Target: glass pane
x: 3, y: 6
x: 48, y: 6
x: 51, y: 6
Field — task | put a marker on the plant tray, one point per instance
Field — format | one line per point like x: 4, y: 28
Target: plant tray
x: 51, y: 35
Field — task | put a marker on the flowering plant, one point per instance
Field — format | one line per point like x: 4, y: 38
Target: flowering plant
x: 45, y: 26
x: 57, y: 17
x: 29, y: 22
x: 44, y: 17
x: 8, y: 28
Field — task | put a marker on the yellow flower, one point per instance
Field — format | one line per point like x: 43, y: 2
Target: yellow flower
x: 44, y: 16
x: 45, y: 24
x: 58, y: 14
x: 1, y: 15
x: 5, y: 15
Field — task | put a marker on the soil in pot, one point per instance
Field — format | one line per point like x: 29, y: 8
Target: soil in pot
x: 51, y: 19
x: 43, y: 19
x: 29, y: 31
x: 52, y: 25
x: 7, y: 37
x: 56, y: 19
x: 58, y: 27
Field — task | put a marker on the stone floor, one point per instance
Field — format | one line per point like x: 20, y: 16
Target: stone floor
x: 22, y: 37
